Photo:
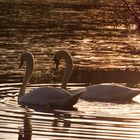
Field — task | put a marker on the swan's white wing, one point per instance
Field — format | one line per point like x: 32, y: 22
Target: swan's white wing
x: 109, y: 92
x: 45, y: 96
x: 50, y: 92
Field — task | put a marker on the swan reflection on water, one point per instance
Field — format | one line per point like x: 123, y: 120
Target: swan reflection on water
x: 25, y: 132
x: 59, y: 120
x: 59, y: 123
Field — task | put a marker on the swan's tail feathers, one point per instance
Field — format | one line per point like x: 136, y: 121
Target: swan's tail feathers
x: 74, y: 99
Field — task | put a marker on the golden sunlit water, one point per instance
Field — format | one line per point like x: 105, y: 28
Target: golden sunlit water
x: 104, y: 49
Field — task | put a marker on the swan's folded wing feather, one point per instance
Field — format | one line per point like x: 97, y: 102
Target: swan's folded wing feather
x: 108, y: 91
x: 45, y: 95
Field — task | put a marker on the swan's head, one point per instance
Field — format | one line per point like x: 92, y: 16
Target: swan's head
x: 62, y: 54
x: 26, y: 57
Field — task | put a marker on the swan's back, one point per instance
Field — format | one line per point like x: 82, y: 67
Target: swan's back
x: 45, y: 96
x: 109, y: 91
x: 108, y: 87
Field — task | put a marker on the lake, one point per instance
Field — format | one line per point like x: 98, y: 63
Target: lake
x: 104, y: 49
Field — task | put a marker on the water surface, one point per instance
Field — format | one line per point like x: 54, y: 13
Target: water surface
x: 87, y: 120
x: 104, y: 49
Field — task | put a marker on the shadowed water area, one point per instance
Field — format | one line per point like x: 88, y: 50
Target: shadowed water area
x: 104, y: 47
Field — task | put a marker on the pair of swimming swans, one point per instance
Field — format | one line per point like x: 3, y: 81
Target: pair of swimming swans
x: 60, y: 97
x: 98, y: 92
x: 43, y: 96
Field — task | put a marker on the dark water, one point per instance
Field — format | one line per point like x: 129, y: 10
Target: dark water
x: 104, y: 50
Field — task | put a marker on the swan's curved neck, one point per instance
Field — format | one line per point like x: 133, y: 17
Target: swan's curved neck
x: 68, y: 69
x: 27, y: 76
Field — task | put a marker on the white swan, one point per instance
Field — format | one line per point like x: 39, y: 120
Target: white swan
x: 98, y: 92
x: 57, y: 97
